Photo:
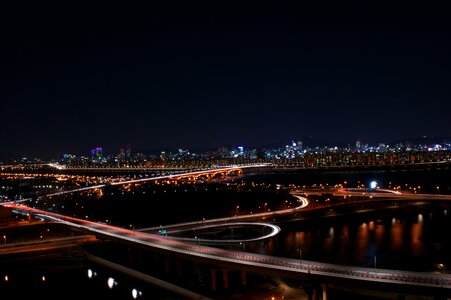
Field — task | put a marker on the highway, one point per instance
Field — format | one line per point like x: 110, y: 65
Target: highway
x: 145, y: 169
x: 250, y: 261
x: 170, y: 177
x: 46, y: 244
x: 230, y: 220
x: 274, y: 231
x: 383, y: 194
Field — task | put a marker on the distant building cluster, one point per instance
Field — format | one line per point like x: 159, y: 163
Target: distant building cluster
x: 97, y: 157
x: 294, y: 153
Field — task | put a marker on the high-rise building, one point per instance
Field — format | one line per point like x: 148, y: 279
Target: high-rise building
x: 358, y: 145
x: 128, y: 151
x: 300, y: 145
x: 223, y: 152
x: 97, y: 152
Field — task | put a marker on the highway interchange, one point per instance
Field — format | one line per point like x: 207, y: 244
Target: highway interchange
x: 251, y: 261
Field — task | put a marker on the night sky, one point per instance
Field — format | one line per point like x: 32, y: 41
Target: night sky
x: 196, y: 77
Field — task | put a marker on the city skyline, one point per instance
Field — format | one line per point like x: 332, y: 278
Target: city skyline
x: 183, y: 78
x: 306, y: 144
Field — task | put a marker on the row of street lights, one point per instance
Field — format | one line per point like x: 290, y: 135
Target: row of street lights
x: 238, y: 207
x: 111, y: 283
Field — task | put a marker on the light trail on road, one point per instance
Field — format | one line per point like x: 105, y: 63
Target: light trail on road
x: 275, y: 265
x: 170, y: 176
x: 274, y: 231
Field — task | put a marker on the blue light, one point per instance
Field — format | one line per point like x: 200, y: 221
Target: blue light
x: 373, y: 184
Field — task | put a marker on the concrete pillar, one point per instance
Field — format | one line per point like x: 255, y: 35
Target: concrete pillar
x: 243, y: 278
x: 213, y: 279
x: 130, y: 254
x: 138, y: 257
x: 156, y: 258
x: 134, y: 256
x: 167, y: 267
x: 225, y: 278
x: 196, y: 268
x: 313, y: 295
x: 178, y: 265
x: 324, y: 288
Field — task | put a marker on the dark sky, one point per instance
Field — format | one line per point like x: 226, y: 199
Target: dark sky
x: 197, y: 77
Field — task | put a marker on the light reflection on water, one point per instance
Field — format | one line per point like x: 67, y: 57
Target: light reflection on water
x: 396, y: 234
x: 406, y: 241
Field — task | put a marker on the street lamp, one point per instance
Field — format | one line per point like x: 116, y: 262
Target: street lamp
x: 91, y: 273
x: 111, y: 282
x: 300, y: 256
x: 4, y: 239
x: 243, y: 246
x: 136, y: 293
x: 237, y: 207
x: 373, y: 185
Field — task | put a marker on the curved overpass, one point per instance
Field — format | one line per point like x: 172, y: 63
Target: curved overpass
x: 274, y: 231
x: 250, y: 261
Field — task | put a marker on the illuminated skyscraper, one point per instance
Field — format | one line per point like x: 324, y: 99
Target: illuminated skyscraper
x: 97, y: 152
x: 300, y: 145
x: 128, y: 151
x: 358, y: 145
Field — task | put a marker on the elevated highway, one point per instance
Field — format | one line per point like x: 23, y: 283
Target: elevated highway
x: 377, y: 194
x: 46, y: 245
x: 170, y: 176
x: 288, y: 267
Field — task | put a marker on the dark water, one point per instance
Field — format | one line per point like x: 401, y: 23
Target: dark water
x: 388, y: 239
x: 414, y: 237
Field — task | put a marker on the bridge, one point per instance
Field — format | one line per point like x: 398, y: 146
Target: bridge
x: 287, y: 267
x: 33, y: 247
x: 237, y: 171
x: 196, y: 174
x: 377, y: 194
x: 169, y: 231
x: 162, y: 168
